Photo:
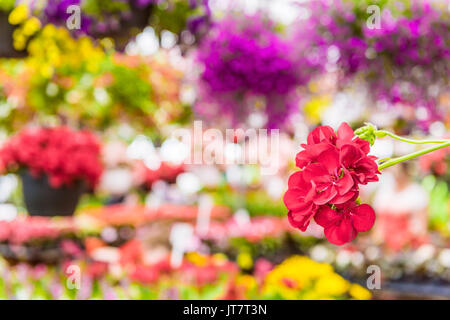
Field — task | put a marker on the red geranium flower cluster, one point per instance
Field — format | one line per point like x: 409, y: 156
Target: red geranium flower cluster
x: 63, y: 154
x: 333, y: 166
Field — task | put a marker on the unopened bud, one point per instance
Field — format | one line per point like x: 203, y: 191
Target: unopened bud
x: 369, y: 133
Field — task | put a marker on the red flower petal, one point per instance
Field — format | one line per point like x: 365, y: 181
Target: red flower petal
x: 326, y: 216
x: 344, y: 132
x: 341, y: 232
x: 350, y: 155
x: 363, y: 217
x: 325, y: 196
x: 317, y: 173
x: 300, y: 220
x: 330, y: 160
x: 294, y: 200
x: 363, y: 145
x: 311, y: 152
x: 345, y: 183
x: 295, y: 179
x: 339, y: 200
x: 322, y: 134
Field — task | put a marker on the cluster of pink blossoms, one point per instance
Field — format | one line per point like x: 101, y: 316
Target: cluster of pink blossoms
x: 23, y: 230
x: 333, y: 165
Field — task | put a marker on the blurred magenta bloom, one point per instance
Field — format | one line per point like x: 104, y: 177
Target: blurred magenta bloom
x: 247, y: 63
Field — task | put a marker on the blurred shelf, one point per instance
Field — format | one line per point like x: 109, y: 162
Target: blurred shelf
x: 393, y: 290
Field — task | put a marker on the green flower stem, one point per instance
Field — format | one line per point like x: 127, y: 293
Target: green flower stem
x: 370, y: 133
x: 390, y: 163
x: 390, y: 134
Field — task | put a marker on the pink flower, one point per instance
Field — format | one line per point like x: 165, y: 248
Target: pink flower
x: 97, y: 269
x: 145, y: 274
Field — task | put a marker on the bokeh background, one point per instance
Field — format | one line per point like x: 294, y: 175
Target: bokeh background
x: 152, y: 226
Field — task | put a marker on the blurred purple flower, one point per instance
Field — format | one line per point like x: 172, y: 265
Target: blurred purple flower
x: 243, y: 58
x: 55, y: 12
x: 404, y: 61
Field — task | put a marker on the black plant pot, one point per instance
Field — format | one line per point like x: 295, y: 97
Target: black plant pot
x: 41, y: 199
x: 6, y: 40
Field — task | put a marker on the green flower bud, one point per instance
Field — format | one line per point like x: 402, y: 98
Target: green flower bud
x: 369, y: 133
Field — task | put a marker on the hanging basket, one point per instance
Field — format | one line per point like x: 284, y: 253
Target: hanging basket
x: 41, y: 199
x: 6, y: 38
x: 130, y: 26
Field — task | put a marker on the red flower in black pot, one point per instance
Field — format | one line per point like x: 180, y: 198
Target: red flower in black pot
x: 56, y: 166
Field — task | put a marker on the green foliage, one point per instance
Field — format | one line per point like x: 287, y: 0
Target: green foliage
x: 7, y: 5
x: 172, y: 18
x: 130, y: 89
x: 207, y: 292
x: 438, y: 206
x: 257, y: 203
x: 98, y: 7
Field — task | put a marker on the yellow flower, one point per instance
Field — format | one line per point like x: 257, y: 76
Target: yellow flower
x: 314, y: 295
x: 333, y: 285
x: 19, y: 14
x: 49, y: 31
x: 31, y: 26
x: 19, y: 39
x: 360, y: 293
x: 300, y: 277
x: 315, y: 107
x: 46, y: 70
x: 285, y: 292
x: 55, y: 48
x: 19, y: 44
x: 219, y: 258
x: 247, y: 281
x: 244, y: 260
x: 196, y: 258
